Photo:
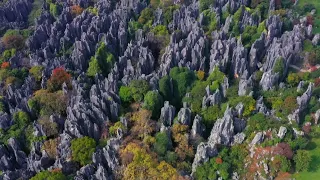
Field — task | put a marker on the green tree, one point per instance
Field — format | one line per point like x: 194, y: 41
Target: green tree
x: 210, y: 115
x: 54, y: 9
x: 125, y: 94
x: 36, y: 72
x: 102, y: 62
x: 165, y: 88
x: 160, y: 30
x: 138, y: 89
x: 93, y: 68
x: 280, y: 163
x: 182, y: 80
x: 293, y: 79
x: 47, y: 175
x: 82, y: 149
x: 205, y: 4
x: 302, y: 160
x: 279, y: 66
x: 162, y: 143
x: 146, y: 16
x: 21, y: 118
x: 113, y: 129
x: 153, y: 101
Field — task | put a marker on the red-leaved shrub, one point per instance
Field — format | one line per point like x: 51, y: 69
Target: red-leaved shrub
x: 58, y: 77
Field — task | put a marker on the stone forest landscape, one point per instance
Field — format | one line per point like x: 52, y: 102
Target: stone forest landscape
x: 159, y: 89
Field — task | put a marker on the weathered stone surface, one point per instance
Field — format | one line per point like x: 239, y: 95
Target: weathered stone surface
x: 258, y: 138
x: 184, y: 116
x: 167, y: 114
x: 302, y: 102
x: 197, y: 128
x: 282, y: 132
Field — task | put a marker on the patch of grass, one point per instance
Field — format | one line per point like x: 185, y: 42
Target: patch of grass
x: 314, y: 148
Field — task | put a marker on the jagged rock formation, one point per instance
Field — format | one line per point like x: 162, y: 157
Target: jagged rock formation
x: 197, y: 127
x: 14, y: 14
x: 167, y: 114
x: 184, y: 116
x: 302, y: 102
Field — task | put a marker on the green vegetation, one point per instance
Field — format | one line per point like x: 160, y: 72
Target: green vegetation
x: 182, y: 80
x: 165, y: 88
x: 113, y: 129
x: 93, y: 10
x: 36, y: 72
x: 9, y: 53
x: 47, y: 175
x: 205, y: 4
x: 153, y: 102
x: 54, y: 9
x: 36, y: 12
x: 102, y: 62
x: 226, y: 161
x: 47, y: 103
x: 160, y: 30
x: 135, y: 91
x: 82, y: 150
x: 302, y: 160
x: 209, y: 21
x: 162, y: 144
x: 279, y: 66
x: 313, y: 148
x: 168, y: 14
x: 304, y: 7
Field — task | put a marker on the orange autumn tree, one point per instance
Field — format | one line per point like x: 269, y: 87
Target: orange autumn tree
x: 5, y: 65
x: 58, y: 77
x: 76, y: 10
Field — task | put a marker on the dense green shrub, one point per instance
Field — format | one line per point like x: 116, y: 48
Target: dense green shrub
x: 36, y: 72
x: 113, y: 129
x: 125, y: 95
x: 54, y: 9
x: 138, y: 89
x: 146, y: 16
x: 220, y: 163
x: 205, y: 4
x: 21, y: 118
x: 196, y: 95
x: 168, y: 14
x: 153, y: 101
x: 93, y: 10
x: 35, y: 12
x: 279, y: 66
x: 7, y: 54
x: 259, y: 122
x: 47, y: 175
x: 47, y: 103
x: 160, y: 30
x: 133, y: 26
x: 210, y: 115
x: 165, y: 88
x: 209, y: 21
x: 182, y: 80
x: 302, y: 160
x: 248, y: 102
x: 102, y: 62
x: 293, y: 79
x: 82, y: 149
x: 162, y: 144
